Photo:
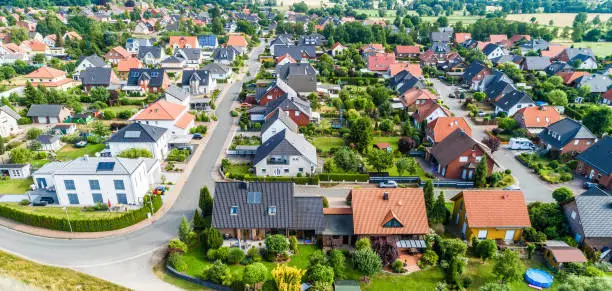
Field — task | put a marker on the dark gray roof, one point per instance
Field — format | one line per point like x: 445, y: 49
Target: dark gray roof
x: 155, y: 77
x: 312, y: 39
x: 295, y: 51
x: 96, y: 76
x: 286, y: 143
x: 338, y: 224
x: 441, y: 36
x: 556, y: 67
x: 191, y: 54
x: 498, y: 88
x: 260, y: 92
x: 403, y: 81
x: 10, y: 112
x: 282, y: 39
x: 12, y: 166
x: 282, y: 116
x: 176, y: 92
x: 47, y: 138
x: 253, y: 215
x: 155, y: 51
x: 507, y: 58
x: 599, y: 83
x: 595, y: 215
x: 489, y: 48
x: 173, y: 60
x: 439, y: 47
x: 289, y: 103
x: 533, y: 45
x: 137, y: 132
x: 534, y: 63
x: 513, y: 98
x: 595, y: 191
x: 472, y: 70
x: 216, y: 68
x: 301, y: 77
x: 95, y: 60
x: 564, y: 130
x: 225, y: 53
x: 599, y: 156
x: 201, y: 75
x: 44, y: 110
x: 308, y: 213
x: 573, y: 52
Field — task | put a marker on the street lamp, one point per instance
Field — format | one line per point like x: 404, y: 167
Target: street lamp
x: 69, y: 225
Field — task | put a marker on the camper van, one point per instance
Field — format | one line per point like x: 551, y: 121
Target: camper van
x: 520, y: 143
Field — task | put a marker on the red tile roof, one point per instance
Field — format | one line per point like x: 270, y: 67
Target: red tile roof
x: 286, y: 56
x: 569, y: 77
x: 371, y: 211
x: 567, y: 254
x: 607, y: 95
x: 495, y: 208
x: 183, y: 41
x: 538, y: 117
x: 553, y: 50
x: 127, y: 64
x: 380, y: 62
x: 407, y: 49
x: 45, y: 73
x: 160, y: 110
x: 375, y: 46
x: 414, y: 69
x: 237, y: 40
x: 184, y: 121
x: 495, y: 38
x: 443, y: 126
x: 413, y: 94
x: 460, y: 37
x: 121, y: 51
x: 426, y: 109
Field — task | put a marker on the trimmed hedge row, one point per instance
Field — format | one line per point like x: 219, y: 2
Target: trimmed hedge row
x: 83, y: 225
x: 297, y: 180
x: 344, y: 177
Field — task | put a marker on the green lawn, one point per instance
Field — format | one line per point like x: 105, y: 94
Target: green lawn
x: 422, y: 280
x: 15, y: 186
x: 73, y: 212
x: 468, y: 19
x: 392, y: 140
x: 325, y: 143
x: 118, y: 109
x: 239, y: 169
x: 601, y: 49
x: 36, y: 164
x: 69, y: 152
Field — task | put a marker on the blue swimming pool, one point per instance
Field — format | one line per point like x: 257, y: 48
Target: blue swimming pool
x: 537, y: 277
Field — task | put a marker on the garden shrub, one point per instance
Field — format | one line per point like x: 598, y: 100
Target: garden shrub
x: 176, y: 245
x: 429, y: 258
x: 177, y: 262
x: 211, y: 254
x: 293, y: 244
x: 363, y: 243
x: 222, y: 253
x: 398, y: 266
x: 253, y: 253
x: 235, y: 256
x: 219, y: 273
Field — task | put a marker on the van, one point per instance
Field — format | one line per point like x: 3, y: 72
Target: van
x: 520, y: 143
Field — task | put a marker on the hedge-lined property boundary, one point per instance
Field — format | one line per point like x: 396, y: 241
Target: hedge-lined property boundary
x: 84, y: 225
x: 332, y: 177
x: 205, y: 283
x: 314, y: 180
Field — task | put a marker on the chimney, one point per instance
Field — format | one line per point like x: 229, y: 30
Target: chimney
x: 542, y: 107
x: 386, y: 196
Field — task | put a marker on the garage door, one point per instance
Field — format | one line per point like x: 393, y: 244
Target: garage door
x: 53, y: 120
x: 43, y: 119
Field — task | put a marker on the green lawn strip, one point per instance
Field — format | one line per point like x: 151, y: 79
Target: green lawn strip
x: 69, y: 152
x: 118, y: 109
x: 73, y: 212
x: 15, y: 186
x: 50, y: 278
x: 325, y: 143
x: 239, y: 169
x: 161, y: 273
x: 422, y: 280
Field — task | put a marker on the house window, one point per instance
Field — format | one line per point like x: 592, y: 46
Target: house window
x: 122, y: 198
x: 576, y: 142
x: 300, y: 169
x: 392, y: 223
x: 478, y: 159
x: 97, y: 198
x: 463, y: 159
x: 73, y: 198
x: 286, y: 170
x: 482, y: 234
x: 573, y: 215
x: 94, y: 184
x: 297, y: 113
x: 272, y: 210
x: 119, y: 185
x: 263, y: 170
x: 69, y: 184
x: 234, y: 210
x: 474, y: 148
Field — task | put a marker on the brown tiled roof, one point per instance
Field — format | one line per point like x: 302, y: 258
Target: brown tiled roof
x: 371, y: 211
x: 460, y: 37
x: 553, y: 50
x: 569, y: 77
x: 237, y: 40
x: 495, y: 38
x: 607, y: 95
x: 443, y: 126
x: 407, y: 49
x: 45, y: 73
x: 427, y: 109
x: 339, y: 211
x: 495, y: 208
x: 538, y: 117
x: 414, y: 69
x: 454, y: 145
x: 567, y: 254
x: 413, y: 94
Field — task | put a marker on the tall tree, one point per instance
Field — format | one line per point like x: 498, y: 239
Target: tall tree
x: 380, y: 159
x: 482, y: 170
x: 360, y: 133
x: 598, y: 119
x: 508, y: 266
x: 428, y: 190
x: 438, y: 213
x: 206, y: 201
x: 184, y: 229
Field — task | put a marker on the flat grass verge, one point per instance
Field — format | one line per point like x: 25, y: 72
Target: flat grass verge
x: 15, y: 186
x: 50, y: 278
x: 74, y: 213
x: 69, y: 152
x: 602, y: 49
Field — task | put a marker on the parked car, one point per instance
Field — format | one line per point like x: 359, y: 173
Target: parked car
x: 185, y: 147
x: 47, y: 199
x: 39, y: 203
x: 589, y: 185
x: 387, y: 184
x: 80, y: 144
x: 160, y: 190
x: 481, y: 113
x: 197, y: 136
x: 512, y: 188
x: 520, y: 143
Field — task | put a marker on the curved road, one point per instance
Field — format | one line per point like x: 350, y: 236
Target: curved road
x: 119, y: 259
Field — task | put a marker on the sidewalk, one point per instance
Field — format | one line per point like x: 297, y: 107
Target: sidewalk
x: 169, y: 200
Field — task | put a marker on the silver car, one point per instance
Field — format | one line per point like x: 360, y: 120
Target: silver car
x: 387, y: 184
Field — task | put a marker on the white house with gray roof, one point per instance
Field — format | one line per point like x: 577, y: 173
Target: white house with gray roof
x: 177, y: 95
x: 89, y: 180
x: 92, y: 61
x: 8, y: 121
x: 218, y: 71
x: 140, y: 136
x: 285, y: 154
x: 277, y: 122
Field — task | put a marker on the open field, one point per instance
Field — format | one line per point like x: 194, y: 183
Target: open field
x: 15, y: 186
x: 601, y: 49
x: 50, y: 278
x: 285, y: 4
x: 559, y: 19
x: 468, y: 19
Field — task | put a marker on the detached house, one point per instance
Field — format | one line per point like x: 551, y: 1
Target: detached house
x: 92, y: 61
x: 98, y: 77
x: 534, y: 63
x: 415, y: 96
x: 595, y: 163
x: 298, y: 109
x: 124, y: 66
x: 183, y: 42
x: 147, y: 80
x: 337, y: 49
x: 536, y: 118
x: 380, y: 62
x: 254, y: 210
x: 512, y: 101
x: 218, y: 71
x: 429, y: 111
x: 458, y: 155
x: 225, y: 55
x: 567, y: 135
x: 198, y: 82
x: 442, y: 127
x: 301, y: 77
x: 475, y: 73
x: 589, y: 216
x: 48, y: 113
x: 300, y: 53
x: 140, y: 136
x: 49, y: 77
x: 491, y: 214
x: 208, y: 42
x: 492, y: 51
x: 238, y: 41
x: 89, y: 180
x: 171, y: 116
x: 285, y: 154
x: 579, y: 58
x: 177, y: 95
x: 407, y: 51
x: 133, y: 45
x: 278, y: 121
x: 116, y: 55
x: 8, y: 121
x: 274, y: 90
x: 150, y: 55
x: 371, y: 49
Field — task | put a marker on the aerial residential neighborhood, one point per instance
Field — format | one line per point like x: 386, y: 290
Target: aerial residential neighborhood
x: 306, y: 145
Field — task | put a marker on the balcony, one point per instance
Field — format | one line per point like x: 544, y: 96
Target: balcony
x: 278, y: 161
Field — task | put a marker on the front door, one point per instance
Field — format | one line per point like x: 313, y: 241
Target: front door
x: 509, y: 235
x: 471, y: 173
x: 277, y: 172
x: 463, y: 174
x: 464, y: 228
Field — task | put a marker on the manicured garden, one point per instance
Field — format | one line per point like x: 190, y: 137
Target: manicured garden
x: 15, y: 186
x: 552, y: 171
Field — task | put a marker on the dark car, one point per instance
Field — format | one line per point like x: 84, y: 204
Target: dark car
x: 39, y: 203
x: 589, y: 185
x: 185, y: 147
x: 49, y: 200
x: 197, y: 136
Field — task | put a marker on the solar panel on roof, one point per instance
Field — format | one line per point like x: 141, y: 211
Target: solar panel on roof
x: 254, y: 197
x: 105, y: 166
x: 132, y: 134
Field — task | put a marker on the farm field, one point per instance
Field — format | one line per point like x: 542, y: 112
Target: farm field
x: 601, y: 49
x: 468, y: 19
x: 559, y: 19
x: 285, y: 4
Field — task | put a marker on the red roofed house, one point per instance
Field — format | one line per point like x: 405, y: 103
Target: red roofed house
x: 536, y: 118
x: 49, y: 77
x: 124, y: 66
x: 72, y: 35
x: 380, y: 62
x: 553, y: 50
x: 407, y: 51
x: 607, y: 97
x: 237, y: 40
x: 440, y: 128
x: 458, y: 155
x: 34, y: 46
x: 183, y: 42
x: 414, y: 97
x: 117, y: 54
x: 27, y: 24
x: 285, y: 59
x: 460, y: 37
x: 173, y: 116
x: 518, y: 37
x: 413, y: 69
x: 491, y: 214
x: 429, y: 111
x: 570, y: 76
x: 337, y: 49
x: 397, y: 216
x: 497, y: 38
x: 372, y: 49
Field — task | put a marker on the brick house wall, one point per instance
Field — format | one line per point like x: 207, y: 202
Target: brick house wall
x: 454, y: 169
x: 271, y: 95
x: 298, y: 117
x: 585, y: 170
x: 578, y: 145
x: 598, y: 243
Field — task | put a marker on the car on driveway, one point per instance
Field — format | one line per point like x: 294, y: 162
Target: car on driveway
x: 197, y: 136
x: 80, y: 144
x: 589, y: 185
x: 512, y: 188
x: 49, y: 200
x: 387, y: 184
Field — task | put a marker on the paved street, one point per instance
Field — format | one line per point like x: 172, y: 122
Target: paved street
x: 126, y: 259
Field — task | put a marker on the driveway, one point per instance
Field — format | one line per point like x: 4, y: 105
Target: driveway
x: 127, y: 259
x: 534, y: 188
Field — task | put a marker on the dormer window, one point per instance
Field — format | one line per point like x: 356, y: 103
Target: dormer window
x: 392, y: 223
x: 234, y: 210
x: 272, y: 210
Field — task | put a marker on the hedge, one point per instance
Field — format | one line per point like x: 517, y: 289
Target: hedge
x: 344, y: 177
x: 314, y: 180
x: 83, y: 225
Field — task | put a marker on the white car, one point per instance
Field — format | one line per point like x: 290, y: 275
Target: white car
x: 387, y: 184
